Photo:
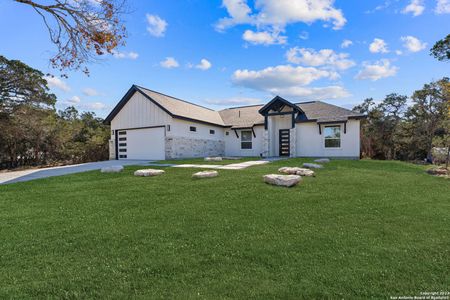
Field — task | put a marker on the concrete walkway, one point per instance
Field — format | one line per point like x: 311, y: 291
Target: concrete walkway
x: 237, y: 166
x: 26, y: 175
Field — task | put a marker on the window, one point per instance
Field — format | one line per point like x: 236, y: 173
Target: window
x: 193, y: 129
x: 332, y: 136
x: 168, y: 127
x: 246, y: 139
x: 122, y: 144
x: 112, y: 132
x: 122, y: 156
x: 122, y: 139
x: 122, y: 132
x: 122, y: 150
x: 227, y: 133
x: 212, y: 131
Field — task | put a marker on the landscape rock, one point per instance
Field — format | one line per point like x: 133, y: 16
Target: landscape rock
x: 312, y: 166
x: 112, y: 169
x: 218, y: 158
x: 438, y: 171
x: 148, y: 172
x: 205, y: 174
x: 322, y: 160
x: 297, y: 171
x: 282, y: 180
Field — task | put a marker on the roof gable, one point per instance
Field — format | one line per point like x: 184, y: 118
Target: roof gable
x: 175, y: 107
x: 277, y: 104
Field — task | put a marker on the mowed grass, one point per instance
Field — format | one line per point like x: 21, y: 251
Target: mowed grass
x: 360, y: 229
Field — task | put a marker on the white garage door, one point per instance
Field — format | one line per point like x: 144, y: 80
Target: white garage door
x: 146, y: 143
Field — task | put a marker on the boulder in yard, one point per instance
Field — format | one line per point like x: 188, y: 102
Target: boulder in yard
x: 112, y: 169
x: 218, y: 158
x: 322, y: 160
x: 282, y: 180
x: 297, y: 171
x: 148, y: 172
x: 205, y: 174
x: 438, y: 171
x: 312, y: 166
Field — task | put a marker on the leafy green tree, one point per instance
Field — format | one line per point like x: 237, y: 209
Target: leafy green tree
x: 441, y: 50
x: 428, y: 117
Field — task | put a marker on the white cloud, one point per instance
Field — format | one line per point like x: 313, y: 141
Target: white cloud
x: 378, y: 46
x: 94, y: 106
x: 123, y: 55
x: 443, y: 7
x: 304, y: 35
x: 283, y: 76
x: 379, y: 69
x: 233, y: 101
x: 313, y: 93
x: 324, y: 57
x: 415, y: 7
x: 263, y: 38
x: 346, y: 43
x: 413, y: 44
x: 204, y: 65
x: 398, y: 52
x: 55, y: 82
x: 156, y: 26
x: 274, y: 15
x: 90, y: 92
x: 169, y: 63
x: 72, y: 101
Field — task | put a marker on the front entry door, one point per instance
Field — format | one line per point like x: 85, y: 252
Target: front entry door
x: 284, y: 143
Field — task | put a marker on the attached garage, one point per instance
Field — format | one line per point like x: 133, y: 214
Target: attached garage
x: 144, y: 143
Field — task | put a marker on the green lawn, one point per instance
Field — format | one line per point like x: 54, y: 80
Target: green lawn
x: 360, y: 229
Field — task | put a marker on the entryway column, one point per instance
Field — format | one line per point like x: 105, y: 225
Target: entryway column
x: 293, y: 143
x: 265, y: 143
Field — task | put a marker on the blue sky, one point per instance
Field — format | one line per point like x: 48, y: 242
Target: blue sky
x: 235, y: 52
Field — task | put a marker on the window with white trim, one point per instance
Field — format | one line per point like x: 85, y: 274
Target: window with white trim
x: 332, y: 136
x: 193, y: 129
x: 246, y: 139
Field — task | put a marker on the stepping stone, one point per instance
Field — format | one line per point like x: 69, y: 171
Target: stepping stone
x: 205, y: 174
x: 312, y: 166
x: 297, y: 171
x: 322, y: 160
x: 148, y: 172
x: 282, y: 180
x: 213, y: 158
x: 112, y: 169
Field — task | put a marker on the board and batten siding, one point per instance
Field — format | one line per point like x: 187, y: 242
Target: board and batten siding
x: 309, y: 143
x: 140, y: 112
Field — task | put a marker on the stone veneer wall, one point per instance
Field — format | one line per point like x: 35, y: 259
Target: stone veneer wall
x: 180, y: 147
x: 293, y: 142
x: 265, y: 148
x: 112, y: 149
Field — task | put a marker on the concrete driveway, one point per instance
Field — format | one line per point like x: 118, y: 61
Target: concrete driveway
x: 26, y: 175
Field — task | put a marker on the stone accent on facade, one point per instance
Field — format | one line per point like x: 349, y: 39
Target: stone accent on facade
x: 293, y: 142
x: 265, y: 149
x: 112, y: 149
x: 182, y: 147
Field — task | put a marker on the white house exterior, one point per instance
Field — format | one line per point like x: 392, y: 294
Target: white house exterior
x: 149, y: 125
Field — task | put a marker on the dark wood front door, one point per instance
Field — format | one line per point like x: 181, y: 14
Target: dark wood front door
x: 285, y: 142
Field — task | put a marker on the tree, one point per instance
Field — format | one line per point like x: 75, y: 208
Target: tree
x: 21, y: 84
x: 429, y: 115
x: 81, y: 29
x: 441, y: 50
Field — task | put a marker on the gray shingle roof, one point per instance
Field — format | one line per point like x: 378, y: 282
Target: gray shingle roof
x: 237, y: 117
x: 183, y: 108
